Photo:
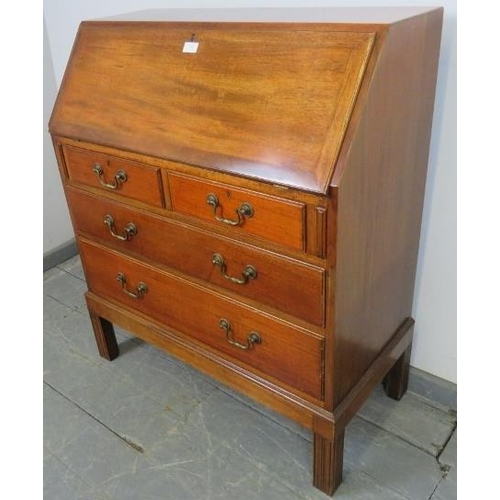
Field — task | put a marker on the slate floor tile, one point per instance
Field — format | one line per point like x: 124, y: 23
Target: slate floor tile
x: 92, y: 494
x: 391, y: 461
x: 101, y: 392
x: 449, y: 454
x: 64, y: 366
x: 411, y: 419
x: 73, y: 266
x: 175, y: 386
x: 51, y: 273
x: 358, y: 485
x: 257, y: 442
x: 53, y: 313
x: 76, y: 329
x: 140, y: 420
x: 192, y: 465
x: 208, y: 477
x: 437, y: 392
x: 60, y: 482
x: 98, y: 456
x: 447, y: 488
x: 67, y: 289
x: 256, y: 439
x: 62, y: 420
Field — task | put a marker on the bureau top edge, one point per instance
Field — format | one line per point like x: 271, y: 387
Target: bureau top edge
x: 340, y: 15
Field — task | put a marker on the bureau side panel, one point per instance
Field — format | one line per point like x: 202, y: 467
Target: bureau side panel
x: 379, y: 185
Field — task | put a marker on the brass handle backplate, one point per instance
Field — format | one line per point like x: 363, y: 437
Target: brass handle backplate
x: 253, y: 337
x: 141, y: 287
x: 244, y: 211
x: 119, y: 178
x: 128, y: 231
x: 248, y: 273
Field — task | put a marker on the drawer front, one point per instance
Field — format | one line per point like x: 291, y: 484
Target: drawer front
x: 114, y: 175
x: 285, y: 284
x: 241, y: 333
x: 269, y: 217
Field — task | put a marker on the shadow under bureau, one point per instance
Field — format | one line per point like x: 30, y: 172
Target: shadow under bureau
x: 247, y: 195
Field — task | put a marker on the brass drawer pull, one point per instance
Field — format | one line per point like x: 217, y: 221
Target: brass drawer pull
x: 141, y: 287
x: 249, y: 273
x: 245, y: 210
x: 253, y: 337
x: 120, y: 177
x: 129, y: 230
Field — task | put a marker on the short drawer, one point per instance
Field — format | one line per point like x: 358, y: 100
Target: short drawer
x: 114, y: 175
x: 286, y: 284
x: 240, y: 333
x: 269, y: 217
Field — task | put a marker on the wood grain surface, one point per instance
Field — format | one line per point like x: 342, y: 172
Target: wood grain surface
x: 286, y: 352
x: 271, y: 104
x: 285, y: 284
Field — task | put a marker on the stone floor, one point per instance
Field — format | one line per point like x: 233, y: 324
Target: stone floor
x: 148, y: 427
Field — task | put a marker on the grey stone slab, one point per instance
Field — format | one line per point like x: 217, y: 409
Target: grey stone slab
x: 67, y: 289
x: 92, y: 494
x: 447, y: 488
x: 63, y: 365
x: 76, y: 329
x: 66, y: 369
x: 449, y: 455
x: 51, y: 273
x: 93, y: 387
x: 139, y: 419
x: 53, y: 313
x: 252, y: 441
x: 272, y: 448
x: 358, y: 485
x: 106, y: 394
x: 98, y: 456
x: 60, y: 482
x: 62, y: 420
x: 116, y: 403
x: 175, y: 386
x: 391, y: 461
x: 410, y: 419
x: 436, y: 391
x: 185, y: 443
x: 189, y: 464
x: 73, y: 266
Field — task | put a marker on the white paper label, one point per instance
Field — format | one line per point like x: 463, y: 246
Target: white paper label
x: 190, y: 47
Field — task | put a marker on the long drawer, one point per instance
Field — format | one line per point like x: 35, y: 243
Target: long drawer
x: 273, y: 347
x: 283, y: 283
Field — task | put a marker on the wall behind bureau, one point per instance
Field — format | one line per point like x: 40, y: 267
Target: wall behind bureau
x: 435, y: 309
x: 57, y: 228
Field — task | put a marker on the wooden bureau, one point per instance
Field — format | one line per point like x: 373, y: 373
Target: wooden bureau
x: 247, y: 196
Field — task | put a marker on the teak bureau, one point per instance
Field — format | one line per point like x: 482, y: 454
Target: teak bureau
x: 247, y: 195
